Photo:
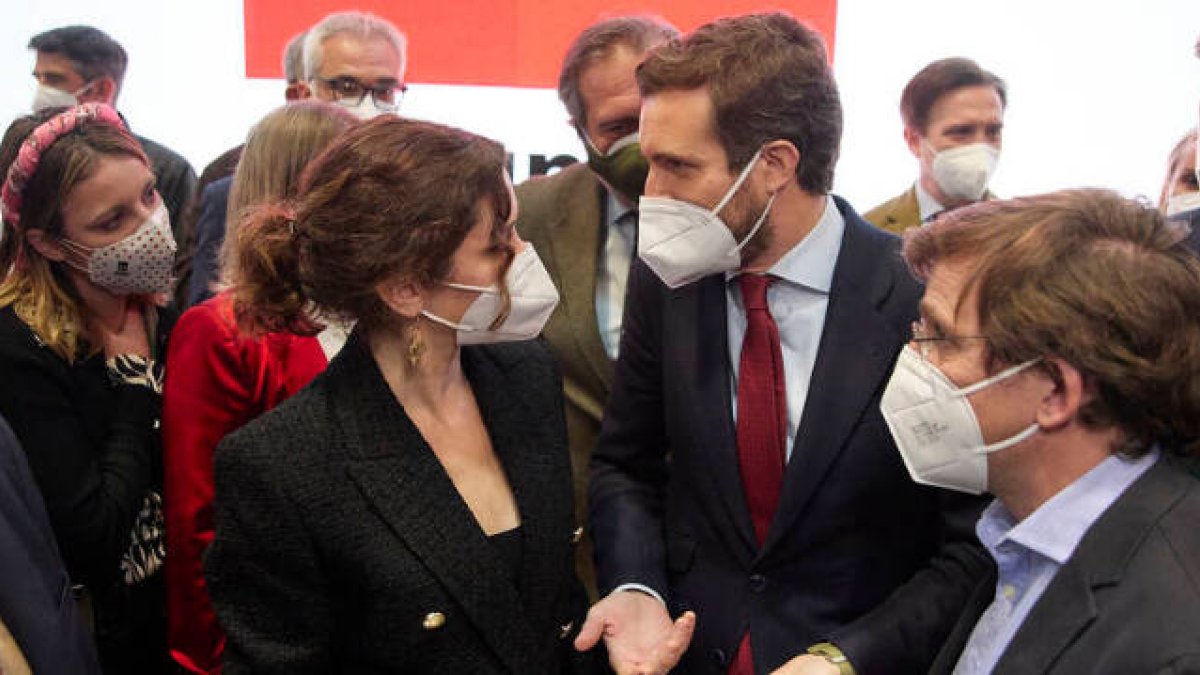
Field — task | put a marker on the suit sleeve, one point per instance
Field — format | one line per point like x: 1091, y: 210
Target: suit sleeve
x: 206, y: 396
x: 629, y: 465
x: 907, y: 631
x: 92, y: 490
x: 263, y: 572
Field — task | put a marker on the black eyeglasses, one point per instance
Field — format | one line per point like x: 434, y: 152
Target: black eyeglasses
x: 386, y: 96
x: 927, y: 343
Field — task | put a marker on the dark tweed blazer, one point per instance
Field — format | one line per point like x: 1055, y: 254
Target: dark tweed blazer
x: 342, y: 545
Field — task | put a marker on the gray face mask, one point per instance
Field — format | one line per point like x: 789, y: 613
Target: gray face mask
x: 49, y: 97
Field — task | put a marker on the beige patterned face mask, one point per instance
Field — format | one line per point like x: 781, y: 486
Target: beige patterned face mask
x: 138, y: 264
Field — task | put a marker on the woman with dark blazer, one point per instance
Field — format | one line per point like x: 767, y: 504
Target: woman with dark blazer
x: 410, y: 511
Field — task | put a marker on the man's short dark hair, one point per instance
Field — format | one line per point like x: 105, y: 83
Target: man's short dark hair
x: 769, y: 79
x: 596, y: 43
x: 90, y: 50
x: 938, y: 79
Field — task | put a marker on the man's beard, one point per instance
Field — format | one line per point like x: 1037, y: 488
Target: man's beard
x: 740, y: 215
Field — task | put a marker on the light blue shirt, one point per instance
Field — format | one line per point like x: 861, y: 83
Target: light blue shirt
x: 798, y: 300
x: 618, y: 240
x: 1029, y: 554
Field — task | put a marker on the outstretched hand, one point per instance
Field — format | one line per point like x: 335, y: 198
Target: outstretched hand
x: 639, y: 634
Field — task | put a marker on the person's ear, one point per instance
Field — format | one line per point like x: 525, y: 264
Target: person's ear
x: 294, y: 91
x: 302, y: 91
x: 46, y: 247
x: 912, y: 138
x: 401, y: 295
x: 101, y: 90
x: 778, y: 160
x: 1065, y: 393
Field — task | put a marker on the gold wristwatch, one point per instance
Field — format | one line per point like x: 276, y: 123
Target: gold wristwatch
x: 832, y: 654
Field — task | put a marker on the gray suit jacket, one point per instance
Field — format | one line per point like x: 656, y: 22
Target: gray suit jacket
x: 1128, y: 600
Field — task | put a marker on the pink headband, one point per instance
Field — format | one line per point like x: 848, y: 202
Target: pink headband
x: 26, y: 163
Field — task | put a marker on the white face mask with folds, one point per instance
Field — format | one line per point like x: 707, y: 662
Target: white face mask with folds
x: 963, y: 172
x: 935, y: 427
x: 532, y: 299
x: 683, y: 242
x: 49, y: 97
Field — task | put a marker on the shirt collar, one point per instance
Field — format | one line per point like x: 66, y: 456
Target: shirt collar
x: 810, y: 263
x: 926, y: 204
x: 614, y: 210
x: 1055, y: 529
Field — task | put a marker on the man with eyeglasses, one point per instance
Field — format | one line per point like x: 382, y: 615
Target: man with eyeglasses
x: 356, y: 60
x: 1055, y: 366
x: 353, y: 59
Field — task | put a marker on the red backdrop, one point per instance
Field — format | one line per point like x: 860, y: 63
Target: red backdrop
x: 513, y: 43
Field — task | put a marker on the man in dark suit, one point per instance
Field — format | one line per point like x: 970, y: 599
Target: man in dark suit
x: 82, y: 64
x: 953, y: 113
x: 583, y: 223
x: 36, y: 600
x: 1041, y: 374
x: 743, y: 470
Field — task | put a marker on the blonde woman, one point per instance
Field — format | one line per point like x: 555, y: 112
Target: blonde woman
x: 87, y: 247
x: 225, y: 379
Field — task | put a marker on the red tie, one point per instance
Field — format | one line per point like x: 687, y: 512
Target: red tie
x: 761, y: 422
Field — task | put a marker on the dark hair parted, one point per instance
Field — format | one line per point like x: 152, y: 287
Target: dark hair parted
x: 769, y: 79
x: 390, y: 197
x: 938, y: 79
x: 596, y: 43
x: 93, y: 53
x: 1096, y: 280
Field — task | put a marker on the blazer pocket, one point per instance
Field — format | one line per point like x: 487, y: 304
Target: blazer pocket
x: 681, y: 553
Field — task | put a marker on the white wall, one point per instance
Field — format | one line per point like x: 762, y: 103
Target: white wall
x: 1099, y: 90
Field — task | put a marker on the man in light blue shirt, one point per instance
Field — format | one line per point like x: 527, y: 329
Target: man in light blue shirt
x: 1055, y: 365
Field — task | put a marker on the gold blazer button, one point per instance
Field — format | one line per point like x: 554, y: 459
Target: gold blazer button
x: 577, y: 535
x: 434, y: 621
x: 565, y: 630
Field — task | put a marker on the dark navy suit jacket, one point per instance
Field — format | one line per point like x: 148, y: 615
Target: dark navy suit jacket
x: 857, y: 552
x: 35, y: 595
x: 210, y: 234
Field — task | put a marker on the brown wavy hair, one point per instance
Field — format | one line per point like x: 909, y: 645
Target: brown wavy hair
x: 1099, y: 281
x: 38, y: 288
x: 390, y: 197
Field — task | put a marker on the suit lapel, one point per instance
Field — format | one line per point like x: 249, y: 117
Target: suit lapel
x: 399, y: 475
x: 856, y: 353
x: 1069, y: 604
x: 575, y: 247
x: 701, y: 338
x: 522, y: 431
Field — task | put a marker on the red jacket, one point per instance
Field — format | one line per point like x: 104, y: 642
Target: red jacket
x: 217, y: 381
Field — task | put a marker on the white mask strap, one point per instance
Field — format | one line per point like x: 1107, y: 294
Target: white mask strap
x: 474, y: 289
x: 1008, y: 442
x: 737, y: 183
x: 758, y: 224
x: 445, y: 322
x: 1002, y: 375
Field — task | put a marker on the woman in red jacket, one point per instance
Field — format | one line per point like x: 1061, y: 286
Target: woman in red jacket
x: 223, y: 379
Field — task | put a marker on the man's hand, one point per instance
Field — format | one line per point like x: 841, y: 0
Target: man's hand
x: 807, y: 664
x: 638, y: 632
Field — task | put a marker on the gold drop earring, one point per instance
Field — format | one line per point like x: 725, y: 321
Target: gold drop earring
x: 416, y: 344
